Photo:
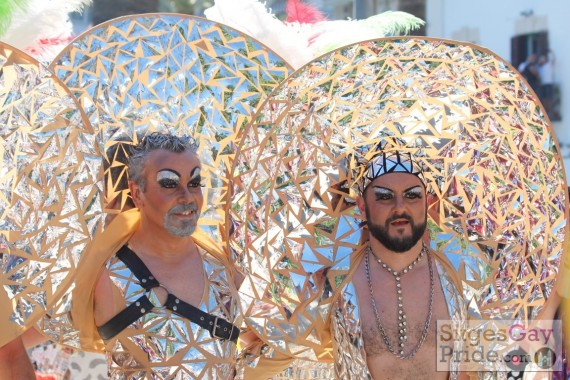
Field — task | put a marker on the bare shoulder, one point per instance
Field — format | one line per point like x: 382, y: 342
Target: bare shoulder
x: 359, y: 275
x: 14, y: 346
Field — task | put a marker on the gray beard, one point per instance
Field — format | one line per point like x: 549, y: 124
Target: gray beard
x: 187, y: 227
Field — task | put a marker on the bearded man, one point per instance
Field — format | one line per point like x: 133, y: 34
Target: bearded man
x: 399, y: 286
x: 383, y: 322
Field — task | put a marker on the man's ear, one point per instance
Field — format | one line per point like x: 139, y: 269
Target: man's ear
x: 433, y: 207
x: 136, y: 193
x: 361, y: 205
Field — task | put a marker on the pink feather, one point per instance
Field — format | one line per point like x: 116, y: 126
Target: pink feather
x: 43, y: 46
x: 302, y: 13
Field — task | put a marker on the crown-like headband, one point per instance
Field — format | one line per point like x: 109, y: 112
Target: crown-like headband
x: 391, y: 162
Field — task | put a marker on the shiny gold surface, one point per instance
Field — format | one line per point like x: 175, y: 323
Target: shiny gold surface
x: 49, y: 195
x: 464, y: 112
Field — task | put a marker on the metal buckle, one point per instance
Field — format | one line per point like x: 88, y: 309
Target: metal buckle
x: 216, y: 327
x: 154, y: 297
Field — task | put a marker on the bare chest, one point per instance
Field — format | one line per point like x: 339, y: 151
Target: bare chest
x: 382, y: 323
x: 186, y: 280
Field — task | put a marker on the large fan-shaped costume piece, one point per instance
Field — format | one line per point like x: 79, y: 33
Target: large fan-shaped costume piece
x: 175, y: 73
x: 50, y: 197
x: 464, y: 113
x: 170, y: 73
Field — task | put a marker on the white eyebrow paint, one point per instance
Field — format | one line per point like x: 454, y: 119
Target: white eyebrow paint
x: 382, y: 191
x: 167, y: 174
x: 416, y: 190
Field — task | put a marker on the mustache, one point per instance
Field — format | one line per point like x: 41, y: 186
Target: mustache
x: 183, y: 208
x: 400, y: 216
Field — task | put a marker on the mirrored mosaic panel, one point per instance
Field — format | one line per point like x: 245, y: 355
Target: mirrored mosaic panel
x: 157, y: 72
x: 49, y: 195
x: 163, y: 72
x: 465, y: 114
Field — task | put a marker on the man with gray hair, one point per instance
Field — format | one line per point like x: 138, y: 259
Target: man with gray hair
x: 162, y: 302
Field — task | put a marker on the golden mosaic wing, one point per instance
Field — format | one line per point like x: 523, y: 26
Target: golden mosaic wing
x: 165, y: 72
x: 49, y: 196
x: 464, y: 112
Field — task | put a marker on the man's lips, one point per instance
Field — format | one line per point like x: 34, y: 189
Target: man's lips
x: 400, y: 222
x: 185, y: 214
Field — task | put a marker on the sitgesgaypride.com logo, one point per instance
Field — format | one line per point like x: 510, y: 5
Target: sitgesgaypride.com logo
x: 499, y: 345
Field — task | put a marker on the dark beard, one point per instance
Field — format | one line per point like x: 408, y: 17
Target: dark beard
x: 397, y: 244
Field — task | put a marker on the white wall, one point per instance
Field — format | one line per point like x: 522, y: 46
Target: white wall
x: 492, y: 23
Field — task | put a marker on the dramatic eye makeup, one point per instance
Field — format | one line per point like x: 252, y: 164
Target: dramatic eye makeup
x: 413, y: 193
x: 167, y: 178
x: 170, y: 179
x: 195, y: 178
x: 383, y: 193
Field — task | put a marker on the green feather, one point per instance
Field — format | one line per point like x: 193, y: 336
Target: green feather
x: 7, y: 9
x: 394, y: 23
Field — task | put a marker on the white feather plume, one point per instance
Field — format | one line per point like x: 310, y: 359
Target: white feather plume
x: 43, y: 28
x: 254, y: 19
x: 299, y: 43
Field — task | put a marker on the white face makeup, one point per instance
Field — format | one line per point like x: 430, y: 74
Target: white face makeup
x: 181, y: 220
x: 415, y: 192
x: 396, y: 212
x: 195, y: 174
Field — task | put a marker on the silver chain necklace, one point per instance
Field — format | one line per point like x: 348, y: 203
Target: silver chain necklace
x: 402, y: 323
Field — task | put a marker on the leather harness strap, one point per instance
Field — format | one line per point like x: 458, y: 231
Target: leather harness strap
x: 217, y: 326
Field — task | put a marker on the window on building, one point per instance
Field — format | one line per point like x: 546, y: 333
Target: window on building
x: 526, y: 44
x: 542, y: 77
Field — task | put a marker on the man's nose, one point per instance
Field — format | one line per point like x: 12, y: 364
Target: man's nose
x: 186, y: 195
x: 399, y: 202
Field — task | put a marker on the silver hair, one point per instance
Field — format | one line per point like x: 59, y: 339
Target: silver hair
x: 139, y: 153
